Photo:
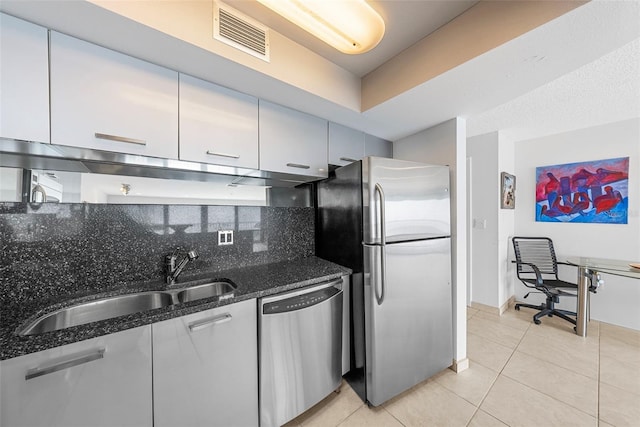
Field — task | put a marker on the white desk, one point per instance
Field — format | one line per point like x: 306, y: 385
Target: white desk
x: 589, y: 268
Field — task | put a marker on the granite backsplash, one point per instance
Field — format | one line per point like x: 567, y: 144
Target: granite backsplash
x: 51, y: 250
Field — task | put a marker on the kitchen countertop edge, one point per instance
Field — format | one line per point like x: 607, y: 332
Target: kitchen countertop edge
x: 253, y: 282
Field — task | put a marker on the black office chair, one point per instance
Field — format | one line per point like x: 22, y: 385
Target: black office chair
x: 537, y: 268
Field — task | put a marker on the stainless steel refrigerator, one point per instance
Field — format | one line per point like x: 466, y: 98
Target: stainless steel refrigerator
x: 389, y: 221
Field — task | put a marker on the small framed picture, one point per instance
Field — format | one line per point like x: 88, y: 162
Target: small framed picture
x: 507, y: 191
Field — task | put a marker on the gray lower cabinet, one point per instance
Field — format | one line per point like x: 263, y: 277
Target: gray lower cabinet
x: 205, y: 368
x: 104, y: 381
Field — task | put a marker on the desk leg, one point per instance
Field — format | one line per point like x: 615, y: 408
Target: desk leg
x: 583, y: 301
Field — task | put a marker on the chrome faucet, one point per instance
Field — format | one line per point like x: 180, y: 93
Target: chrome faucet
x: 173, y: 267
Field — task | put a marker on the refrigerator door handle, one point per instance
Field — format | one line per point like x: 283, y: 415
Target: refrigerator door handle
x: 383, y: 244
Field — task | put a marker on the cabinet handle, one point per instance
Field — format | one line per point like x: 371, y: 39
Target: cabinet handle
x: 120, y: 139
x: 296, y: 165
x: 75, y: 360
x: 215, y: 320
x: 348, y: 159
x: 231, y: 156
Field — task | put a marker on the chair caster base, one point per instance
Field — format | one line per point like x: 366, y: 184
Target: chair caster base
x: 536, y: 321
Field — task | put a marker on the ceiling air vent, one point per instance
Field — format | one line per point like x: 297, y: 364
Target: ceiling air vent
x: 240, y: 31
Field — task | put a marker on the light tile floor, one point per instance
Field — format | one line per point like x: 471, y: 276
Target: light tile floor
x: 520, y: 374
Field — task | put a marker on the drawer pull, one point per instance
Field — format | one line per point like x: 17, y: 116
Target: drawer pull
x: 296, y: 165
x: 120, y: 139
x: 348, y: 159
x: 69, y: 363
x: 231, y: 156
x: 215, y: 320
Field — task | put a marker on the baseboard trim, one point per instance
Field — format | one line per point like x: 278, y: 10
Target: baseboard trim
x: 460, y: 365
x: 509, y: 303
x: 495, y: 310
x: 484, y: 307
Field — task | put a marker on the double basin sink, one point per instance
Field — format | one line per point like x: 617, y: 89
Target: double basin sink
x: 121, y: 305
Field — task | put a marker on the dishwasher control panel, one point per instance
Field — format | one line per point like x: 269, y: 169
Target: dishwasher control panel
x: 299, y: 302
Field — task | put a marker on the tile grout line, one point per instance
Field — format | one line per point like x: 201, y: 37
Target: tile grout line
x: 564, y: 367
x: 475, y: 412
x: 502, y: 324
x: 549, y: 396
x: 500, y: 373
x: 552, y: 397
x: 394, y: 417
x: 348, y: 416
x: 492, y: 341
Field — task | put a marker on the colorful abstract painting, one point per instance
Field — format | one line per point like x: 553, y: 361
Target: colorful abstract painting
x: 593, y: 192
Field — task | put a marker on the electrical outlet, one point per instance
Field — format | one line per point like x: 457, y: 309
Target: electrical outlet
x: 225, y: 237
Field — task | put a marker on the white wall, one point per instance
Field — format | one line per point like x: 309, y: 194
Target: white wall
x: 618, y: 301
x: 491, y: 227
x: 445, y: 144
x: 483, y: 152
x: 506, y: 227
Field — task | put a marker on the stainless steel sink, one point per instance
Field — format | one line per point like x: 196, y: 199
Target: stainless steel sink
x: 96, y: 310
x: 206, y: 290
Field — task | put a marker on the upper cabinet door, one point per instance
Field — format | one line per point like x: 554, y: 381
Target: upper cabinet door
x: 346, y: 145
x: 217, y: 125
x: 105, y: 100
x: 292, y: 142
x: 374, y: 146
x: 24, y: 80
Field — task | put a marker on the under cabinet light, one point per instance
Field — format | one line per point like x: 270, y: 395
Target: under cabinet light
x: 350, y: 26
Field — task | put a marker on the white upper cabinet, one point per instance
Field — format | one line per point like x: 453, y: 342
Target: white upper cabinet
x: 292, y: 142
x: 374, y: 146
x: 24, y: 80
x: 104, y: 381
x: 217, y: 125
x: 104, y: 100
x: 346, y: 145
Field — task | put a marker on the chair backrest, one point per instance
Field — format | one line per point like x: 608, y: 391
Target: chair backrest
x: 538, y: 251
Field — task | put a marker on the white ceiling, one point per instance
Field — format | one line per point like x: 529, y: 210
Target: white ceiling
x: 406, y: 22
x: 522, y: 65
x: 559, y: 72
x: 604, y: 91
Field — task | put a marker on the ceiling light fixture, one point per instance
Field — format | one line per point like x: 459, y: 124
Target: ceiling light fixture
x: 351, y: 26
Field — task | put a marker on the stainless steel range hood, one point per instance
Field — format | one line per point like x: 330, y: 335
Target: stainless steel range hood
x: 34, y: 155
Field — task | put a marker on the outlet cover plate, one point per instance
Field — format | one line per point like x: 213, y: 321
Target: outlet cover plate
x: 225, y: 237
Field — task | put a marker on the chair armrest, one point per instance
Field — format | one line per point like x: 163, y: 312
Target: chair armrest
x: 536, y: 270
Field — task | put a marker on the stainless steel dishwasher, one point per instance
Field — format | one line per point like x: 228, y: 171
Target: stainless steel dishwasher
x: 300, y: 350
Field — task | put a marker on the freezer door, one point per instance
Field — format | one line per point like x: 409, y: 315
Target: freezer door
x: 409, y: 335
x: 416, y: 200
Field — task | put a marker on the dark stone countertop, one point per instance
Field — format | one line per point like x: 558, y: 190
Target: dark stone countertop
x: 253, y: 282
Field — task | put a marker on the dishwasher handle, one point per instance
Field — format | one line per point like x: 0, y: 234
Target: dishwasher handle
x: 301, y: 299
